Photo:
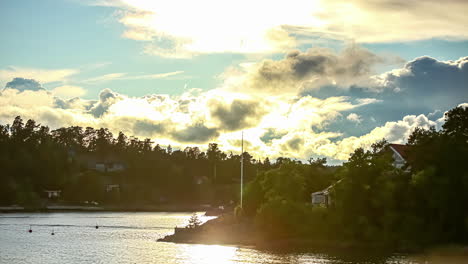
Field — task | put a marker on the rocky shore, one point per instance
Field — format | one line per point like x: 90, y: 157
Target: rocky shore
x: 222, y: 230
x: 227, y: 230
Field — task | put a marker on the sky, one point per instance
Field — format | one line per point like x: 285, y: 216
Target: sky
x: 300, y: 78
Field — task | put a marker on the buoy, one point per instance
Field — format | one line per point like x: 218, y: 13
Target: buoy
x: 97, y: 226
x: 53, y: 233
x: 30, y: 229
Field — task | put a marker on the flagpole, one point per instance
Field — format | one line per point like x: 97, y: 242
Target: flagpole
x: 242, y: 171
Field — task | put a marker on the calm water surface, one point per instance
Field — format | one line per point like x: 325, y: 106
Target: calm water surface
x: 131, y: 238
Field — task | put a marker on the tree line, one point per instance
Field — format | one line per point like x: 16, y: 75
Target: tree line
x: 423, y: 203
x: 34, y: 158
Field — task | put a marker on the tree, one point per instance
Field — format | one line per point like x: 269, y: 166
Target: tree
x: 194, y: 221
x: 456, y: 122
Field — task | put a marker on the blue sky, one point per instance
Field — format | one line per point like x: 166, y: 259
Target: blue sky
x: 357, y: 72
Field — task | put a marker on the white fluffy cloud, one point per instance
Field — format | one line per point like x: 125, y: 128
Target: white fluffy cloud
x: 265, y: 100
x: 193, y: 118
x: 394, y: 132
x: 182, y: 28
x: 353, y: 117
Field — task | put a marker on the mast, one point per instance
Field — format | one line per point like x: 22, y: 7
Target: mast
x: 242, y: 171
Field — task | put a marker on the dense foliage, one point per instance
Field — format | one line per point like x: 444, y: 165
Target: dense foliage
x: 34, y: 159
x: 424, y: 202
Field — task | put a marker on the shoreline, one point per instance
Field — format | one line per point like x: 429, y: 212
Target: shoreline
x: 225, y: 230
x: 78, y: 208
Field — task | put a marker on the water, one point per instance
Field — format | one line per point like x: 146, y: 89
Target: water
x: 131, y: 238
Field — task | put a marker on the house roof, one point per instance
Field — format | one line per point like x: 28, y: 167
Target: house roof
x: 326, y: 191
x: 402, y: 150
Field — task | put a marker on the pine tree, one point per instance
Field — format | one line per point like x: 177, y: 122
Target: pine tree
x: 194, y: 221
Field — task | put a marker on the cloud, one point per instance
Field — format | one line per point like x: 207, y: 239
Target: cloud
x: 105, y: 78
x: 267, y: 101
x: 301, y: 71
x: 106, y: 99
x: 428, y: 82
x: 294, y: 144
x: 194, y: 118
x: 149, y: 128
x: 395, y: 20
x: 245, y: 27
x: 40, y: 75
x: 22, y: 84
x: 198, y: 133
x: 126, y: 76
x: 236, y: 115
x: 394, y: 132
x: 353, y: 117
x: 68, y: 91
x: 422, y: 85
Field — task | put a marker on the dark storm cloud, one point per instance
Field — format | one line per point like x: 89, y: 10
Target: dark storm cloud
x: 195, y: 134
x: 22, y: 84
x: 239, y: 114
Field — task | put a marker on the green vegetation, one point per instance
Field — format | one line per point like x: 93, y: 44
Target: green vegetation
x: 423, y: 203
x: 372, y: 202
x: 34, y: 159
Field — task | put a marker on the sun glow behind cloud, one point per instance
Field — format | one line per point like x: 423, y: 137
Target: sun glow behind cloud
x: 181, y: 28
x: 297, y: 102
x: 194, y: 27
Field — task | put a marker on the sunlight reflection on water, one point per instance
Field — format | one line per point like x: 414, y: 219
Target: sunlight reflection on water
x: 128, y: 238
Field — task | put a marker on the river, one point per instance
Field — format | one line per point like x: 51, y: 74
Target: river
x: 124, y: 237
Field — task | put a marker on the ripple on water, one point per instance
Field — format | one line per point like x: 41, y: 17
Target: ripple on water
x: 130, y: 238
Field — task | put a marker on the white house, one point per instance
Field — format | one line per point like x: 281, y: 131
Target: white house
x: 399, y: 154
x: 323, y: 198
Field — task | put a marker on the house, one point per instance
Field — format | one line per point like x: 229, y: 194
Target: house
x: 323, y: 198
x: 399, y: 154
x: 53, y: 194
